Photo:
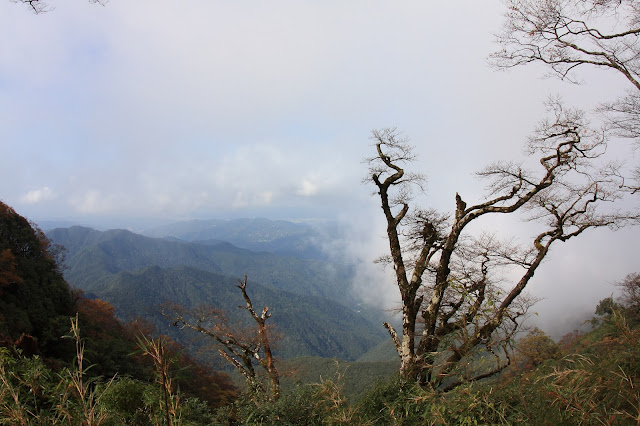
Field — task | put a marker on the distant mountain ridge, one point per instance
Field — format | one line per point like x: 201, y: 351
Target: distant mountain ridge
x: 96, y: 254
x: 306, y: 325
x: 281, y: 237
x: 310, y: 299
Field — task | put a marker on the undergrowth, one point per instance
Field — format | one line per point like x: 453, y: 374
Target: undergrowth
x: 592, y: 380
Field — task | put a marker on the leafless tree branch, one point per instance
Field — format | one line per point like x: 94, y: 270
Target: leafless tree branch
x: 39, y: 6
x: 454, y: 299
x: 240, y: 347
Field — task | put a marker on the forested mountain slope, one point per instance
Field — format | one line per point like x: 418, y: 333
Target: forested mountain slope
x: 38, y: 351
x: 94, y: 255
x: 304, y: 325
x: 34, y: 298
x: 139, y: 274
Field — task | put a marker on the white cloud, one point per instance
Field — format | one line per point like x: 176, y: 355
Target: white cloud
x: 96, y: 202
x: 266, y: 197
x: 38, y: 195
x: 307, y: 188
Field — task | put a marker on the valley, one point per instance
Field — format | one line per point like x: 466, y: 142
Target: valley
x: 309, y: 297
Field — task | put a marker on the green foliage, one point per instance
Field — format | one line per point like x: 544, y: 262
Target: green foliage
x: 307, y: 325
x: 606, y: 307
x: 95, y: 255
x: 128, y: 400
x: 535, y: 348
x: 382, y: 400
x: 594, y: 384
x: 405, y: 403
x: 134, y: 402
x: 600, y: 384
x: 591, y: 380
x: 108, y: 342
x: 591, y: 385
x: 34, y: 297
x: 122, y: 268
x: 384, y: 351
x: 312, y: 404
x: 26, y: 387
x: 298, y: 407
x: 355, y: 377
x: 164, y: 362
x: 67, y: 385
x: 30, y: 393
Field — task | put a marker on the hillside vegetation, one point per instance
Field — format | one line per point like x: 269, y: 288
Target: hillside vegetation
x: 58, y: 348
x: 306, y: 325
x: 93, y: 255
x: 586, y: 379
x: 104, y: 371
x: 138, y: 275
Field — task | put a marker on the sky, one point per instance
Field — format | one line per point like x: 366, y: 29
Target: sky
x: 172, y: 110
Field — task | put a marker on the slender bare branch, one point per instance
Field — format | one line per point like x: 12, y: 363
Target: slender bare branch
x: 241, y: 348
x: 454, y: 300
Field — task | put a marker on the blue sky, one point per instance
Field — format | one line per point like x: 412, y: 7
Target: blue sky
x: 188, y: 109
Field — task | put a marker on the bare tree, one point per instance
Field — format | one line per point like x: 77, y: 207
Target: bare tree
x: 240, y: 347
x: 566, y: 35
x: 630, y: 291
x: 39, y: 6
x: 455, y: 301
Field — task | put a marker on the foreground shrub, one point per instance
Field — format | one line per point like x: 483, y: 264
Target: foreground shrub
x: 26, y: 387
x: 310, y: 404
x: 398, y: 402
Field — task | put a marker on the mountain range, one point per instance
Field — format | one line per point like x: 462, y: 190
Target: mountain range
x: 313, y: 309
x: 296, y: 239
